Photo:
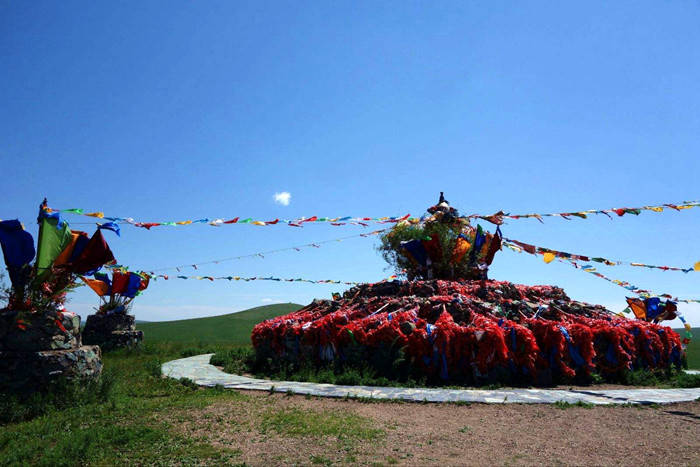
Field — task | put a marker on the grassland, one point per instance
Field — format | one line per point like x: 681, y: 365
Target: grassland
x: 137, y: 417
x: 140, y: 418
x: 693, y: 350
x: 232, y: 329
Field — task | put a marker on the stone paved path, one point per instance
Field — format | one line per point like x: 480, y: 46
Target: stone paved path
x: 199, y: 370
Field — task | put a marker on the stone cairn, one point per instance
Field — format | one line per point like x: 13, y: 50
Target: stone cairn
x: 468, y: 332
x: 450, y: 324
x: 37, y: 349
x: 112, y: 330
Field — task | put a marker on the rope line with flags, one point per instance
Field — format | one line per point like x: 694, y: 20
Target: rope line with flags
x: 260, y: 254
x: 496, y: 218
x: 550, y: 254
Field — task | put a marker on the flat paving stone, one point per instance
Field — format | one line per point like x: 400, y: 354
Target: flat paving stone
x: 199, y: 370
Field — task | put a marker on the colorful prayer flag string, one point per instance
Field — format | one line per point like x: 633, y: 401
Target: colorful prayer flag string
x: 256, y: 278
x: 260, y: 254
x: 592, y: 270
x: 498, y: 217
x: 218, y: 222
x: 549, y: 255
x: 626, y: 285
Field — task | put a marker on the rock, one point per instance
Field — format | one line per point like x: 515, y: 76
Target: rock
x: 31, y: 371
x: 119, y: 339
x: 111, y: 331
x: 31, y: 332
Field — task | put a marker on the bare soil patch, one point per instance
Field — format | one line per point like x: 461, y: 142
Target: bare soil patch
x: 276, y: 429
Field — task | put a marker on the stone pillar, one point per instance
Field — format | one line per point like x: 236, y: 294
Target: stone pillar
x: 37, y: 349
x: 111, y: 331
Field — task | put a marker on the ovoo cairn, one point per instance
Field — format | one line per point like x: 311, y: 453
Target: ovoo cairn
x: 40, y: 340
x: 112, y: 326
x: 450, y: 324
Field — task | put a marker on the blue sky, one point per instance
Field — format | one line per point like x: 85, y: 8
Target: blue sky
x: 182, y: 110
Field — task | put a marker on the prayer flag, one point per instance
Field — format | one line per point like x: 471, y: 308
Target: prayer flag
x: 638, y: 308
x: 54, y: 237
x: 18, y: 250
x: 120, y: 282
x: 95, y: 255
x: 114, y: 227
x: 98, y: 286
x: 132, y: 285
x: 67, y: 253
x: 461, y: 248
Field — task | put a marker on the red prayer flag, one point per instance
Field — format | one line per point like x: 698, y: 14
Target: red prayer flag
x: 120, y: 282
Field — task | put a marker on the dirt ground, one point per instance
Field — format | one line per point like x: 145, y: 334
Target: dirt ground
x: 279, y: 429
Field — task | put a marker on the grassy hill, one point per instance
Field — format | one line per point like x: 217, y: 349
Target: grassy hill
x: 693, y: 350
x: 232, y: 328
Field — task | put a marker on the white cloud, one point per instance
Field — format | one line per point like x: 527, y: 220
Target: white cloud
x: 283, y: 198
x: 270, y: 300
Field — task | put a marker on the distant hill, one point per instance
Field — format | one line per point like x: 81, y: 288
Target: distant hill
x: 232, y: 328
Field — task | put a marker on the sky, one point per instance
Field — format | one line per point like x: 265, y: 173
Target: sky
x: 172, y: 110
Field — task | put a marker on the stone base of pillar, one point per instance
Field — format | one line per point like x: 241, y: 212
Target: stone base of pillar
x: 22, y: 371
x: 111, y: 331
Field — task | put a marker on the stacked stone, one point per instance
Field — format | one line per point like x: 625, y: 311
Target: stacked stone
x: 37, y: 349
x: 111, y: 331
x: 469, y: 332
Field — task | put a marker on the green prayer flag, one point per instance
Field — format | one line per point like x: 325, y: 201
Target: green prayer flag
x: 52, y: 240
x: 74, y: 211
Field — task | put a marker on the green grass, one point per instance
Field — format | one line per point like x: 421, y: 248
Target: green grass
x: 135, y: 417
x: 693, y: 350
x: 125, y: 423
x: 232, y: 329
x: 313, y: 423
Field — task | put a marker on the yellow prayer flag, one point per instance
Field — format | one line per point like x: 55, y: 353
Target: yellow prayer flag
x: 95, y: 214
x: 461, y: 248
x: 655, y: 208
x: 549, y: 257
x: 697, y: 266
x: 100, y: 288
x: 257, y: 223
x: 183, y: 222
x: 687, y: 326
